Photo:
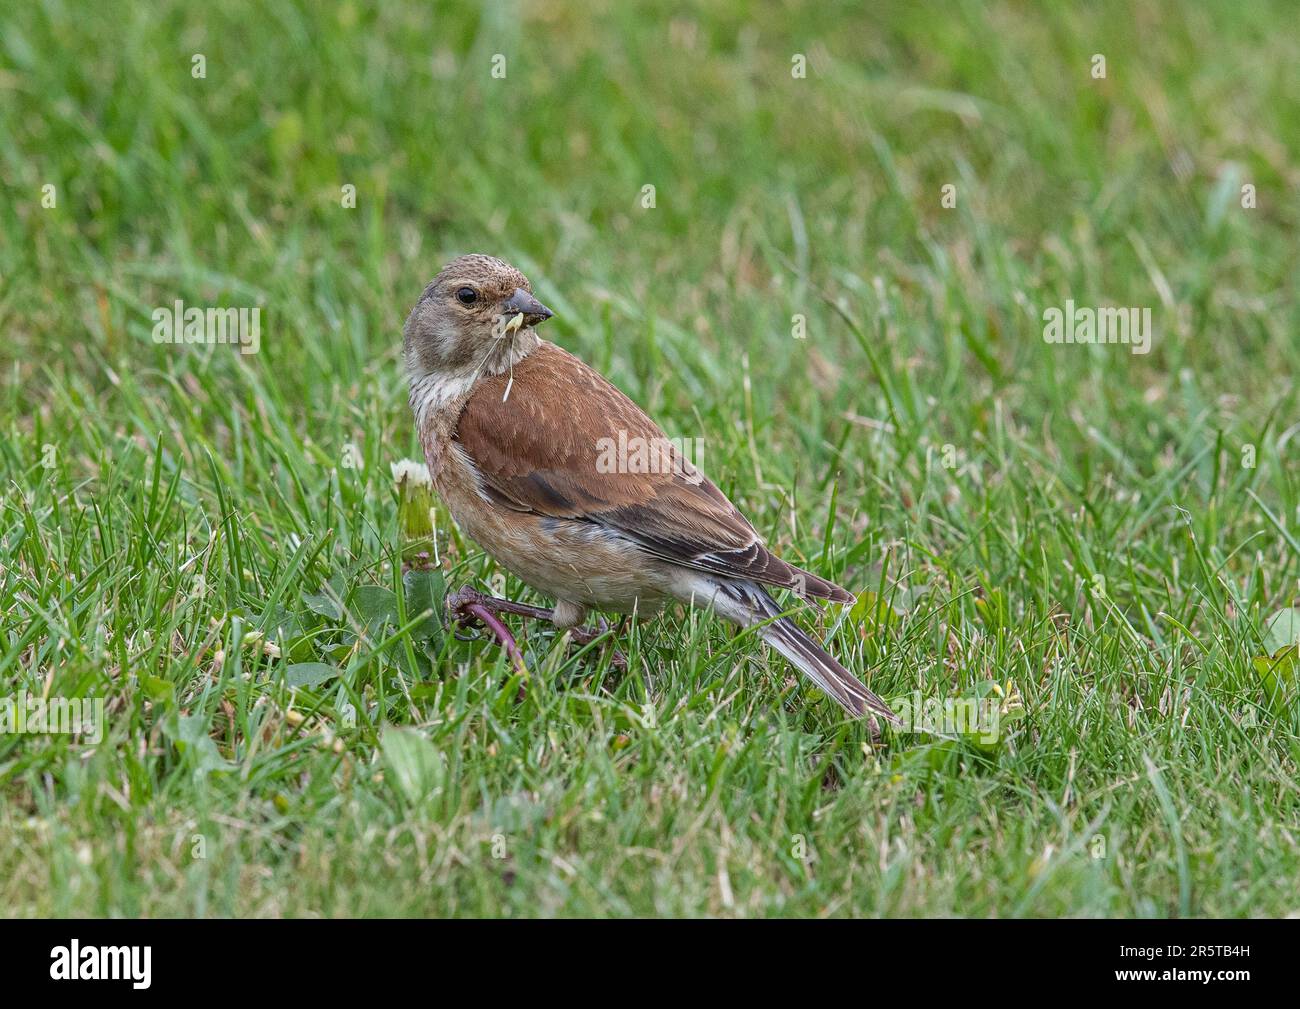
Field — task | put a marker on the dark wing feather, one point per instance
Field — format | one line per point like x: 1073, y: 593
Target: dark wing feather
x: 538, y: 451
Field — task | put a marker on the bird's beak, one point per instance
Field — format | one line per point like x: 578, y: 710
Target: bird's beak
x: 521, y: 302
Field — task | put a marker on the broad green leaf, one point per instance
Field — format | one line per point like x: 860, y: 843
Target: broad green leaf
x: 157, y: 688
x: 374, y: 606
x: 425, y: 590
x: 1283, y: 630
x: 414, y: 764
x: 190, y: 735
x: 309, y: 674
x: 1278, y: 672
x: 325, y: 602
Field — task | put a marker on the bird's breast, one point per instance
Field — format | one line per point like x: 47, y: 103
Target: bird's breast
x: 565, y: 558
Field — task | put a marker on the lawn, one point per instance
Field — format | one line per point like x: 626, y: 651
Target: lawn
x: 1098, y: 547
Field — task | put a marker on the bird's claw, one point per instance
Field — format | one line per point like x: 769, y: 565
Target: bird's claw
x: 469, y: 607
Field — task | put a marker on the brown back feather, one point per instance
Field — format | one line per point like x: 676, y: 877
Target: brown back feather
x: 537, y: 452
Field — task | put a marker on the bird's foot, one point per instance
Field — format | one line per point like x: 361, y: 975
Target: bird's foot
x: 583, y: 636
x: 467, y: 605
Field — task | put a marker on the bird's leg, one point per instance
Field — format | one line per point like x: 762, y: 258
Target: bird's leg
x: 568, y: 616
x: 466, y: 596
x: 468, y: 604
x: 583, y: 636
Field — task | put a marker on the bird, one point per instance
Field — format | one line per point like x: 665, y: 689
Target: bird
x: 513, y: 428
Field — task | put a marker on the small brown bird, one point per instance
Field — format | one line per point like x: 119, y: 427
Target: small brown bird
x: 517, y: 436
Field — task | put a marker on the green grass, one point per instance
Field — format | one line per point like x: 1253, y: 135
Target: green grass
x: 1096, y: 547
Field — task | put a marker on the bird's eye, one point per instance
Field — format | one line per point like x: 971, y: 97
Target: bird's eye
x: 467, y: 295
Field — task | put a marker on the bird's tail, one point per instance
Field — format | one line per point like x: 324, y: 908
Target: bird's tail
x: 804, y: 653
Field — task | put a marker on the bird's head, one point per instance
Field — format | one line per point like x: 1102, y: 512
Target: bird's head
x: 475, y: 317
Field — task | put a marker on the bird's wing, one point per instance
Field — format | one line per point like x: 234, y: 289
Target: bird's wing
x: 561, y: 444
